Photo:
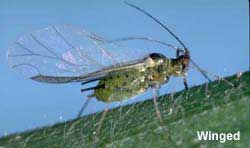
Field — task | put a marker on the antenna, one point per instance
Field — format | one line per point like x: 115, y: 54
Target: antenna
x: 202, y: 71
x: 157, y: 21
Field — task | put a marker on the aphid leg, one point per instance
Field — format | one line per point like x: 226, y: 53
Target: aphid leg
x: 155, y: 96
x: 205, y: 73
x: 185, y: 83
x: 163, y: 128
x: 100, y: 122
x: 84, y: 107
x: 91, y: 96
x: 207, y: 90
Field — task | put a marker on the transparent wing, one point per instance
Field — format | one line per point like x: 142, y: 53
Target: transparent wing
x: 60, y: 54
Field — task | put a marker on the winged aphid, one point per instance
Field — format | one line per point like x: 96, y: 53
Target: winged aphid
x: 65, y: 54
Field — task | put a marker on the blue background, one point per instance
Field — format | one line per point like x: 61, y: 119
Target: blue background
x: 216, y: 33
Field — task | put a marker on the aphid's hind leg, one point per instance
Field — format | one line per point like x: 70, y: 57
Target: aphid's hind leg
x: 84, y: 107
x: 185, y: 83
x: 87, y: 101
x: 155, y: 96
x: 163, y: 127
x: 100, y: 122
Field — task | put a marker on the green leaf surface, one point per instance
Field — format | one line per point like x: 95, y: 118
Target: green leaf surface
x: 215, y: 107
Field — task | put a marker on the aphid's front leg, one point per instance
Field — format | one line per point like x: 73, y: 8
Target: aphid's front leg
x: 185, y: 82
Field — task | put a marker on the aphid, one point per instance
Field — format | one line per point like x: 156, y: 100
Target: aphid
x: 65, y: 54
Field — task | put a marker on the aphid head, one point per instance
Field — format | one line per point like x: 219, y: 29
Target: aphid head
x: 186, y: 56
x: 185, y: 60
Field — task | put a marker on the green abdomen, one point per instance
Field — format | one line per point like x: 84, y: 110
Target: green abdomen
x: 121, y: 85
